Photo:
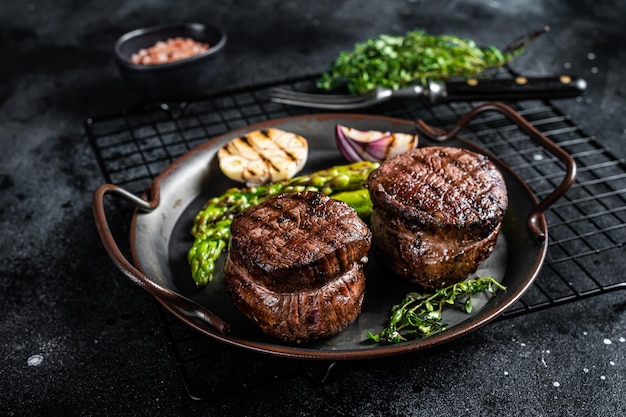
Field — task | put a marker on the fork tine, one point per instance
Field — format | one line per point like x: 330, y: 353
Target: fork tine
x: 325, y: 106
x: 325, y: 101
x: 317, y: 98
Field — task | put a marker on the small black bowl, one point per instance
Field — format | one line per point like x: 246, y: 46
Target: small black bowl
x: 181, y: 80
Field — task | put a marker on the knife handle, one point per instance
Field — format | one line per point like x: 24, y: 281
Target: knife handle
x: 518, y: 88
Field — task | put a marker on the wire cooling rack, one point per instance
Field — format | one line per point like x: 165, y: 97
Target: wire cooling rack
x: 587, y: 227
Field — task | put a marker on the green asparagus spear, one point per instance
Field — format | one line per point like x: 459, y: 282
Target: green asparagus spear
x: 359, y: 200
x: 211, y: 228
x: 419, y: 315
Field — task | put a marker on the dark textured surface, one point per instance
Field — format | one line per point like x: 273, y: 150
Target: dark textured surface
x: 77, y: 338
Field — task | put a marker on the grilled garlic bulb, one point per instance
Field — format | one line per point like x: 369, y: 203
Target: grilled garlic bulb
x: 263, y: 156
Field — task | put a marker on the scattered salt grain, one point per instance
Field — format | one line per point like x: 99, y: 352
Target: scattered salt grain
x: 506, y: 373
x: 621, y: 339
x: 607, y: 341
x: 602, y: 377
x: 556, y: 384
x: 35, y: 360
x: 612, y: 363
x: 586, y: 370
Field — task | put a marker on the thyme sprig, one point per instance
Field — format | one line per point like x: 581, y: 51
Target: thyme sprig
x: 415, y: 58
x: 419, y: 315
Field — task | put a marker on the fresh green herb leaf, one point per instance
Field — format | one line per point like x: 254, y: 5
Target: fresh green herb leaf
x: 419, y: 315
x: 415, y: 58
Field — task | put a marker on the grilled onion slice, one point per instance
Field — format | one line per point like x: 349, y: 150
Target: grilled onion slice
x: 371, y: 145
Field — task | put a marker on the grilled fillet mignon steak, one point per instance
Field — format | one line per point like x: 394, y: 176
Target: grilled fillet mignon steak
x: 295, y: 265
x: 437, y: 213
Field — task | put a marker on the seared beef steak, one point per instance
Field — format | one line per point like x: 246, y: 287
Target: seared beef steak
x: 295, y: 265
x: 437, y: 213
x: 299, y: 316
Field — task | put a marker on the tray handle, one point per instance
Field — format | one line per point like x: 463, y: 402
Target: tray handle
x: 533, y: 220
x: 163, y: 295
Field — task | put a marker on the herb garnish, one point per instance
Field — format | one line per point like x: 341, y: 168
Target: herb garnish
x: 419, y: 315
x: 397, y: 61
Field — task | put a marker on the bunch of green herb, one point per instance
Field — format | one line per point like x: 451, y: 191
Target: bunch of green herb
x: 398, y: 61
x: 419, y: 315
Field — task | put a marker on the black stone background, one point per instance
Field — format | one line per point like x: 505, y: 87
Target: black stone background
x: 62, y: 298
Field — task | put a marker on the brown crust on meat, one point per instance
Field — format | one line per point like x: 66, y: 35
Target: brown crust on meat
x: 298, y: 241
x: 295, y: 265
x: 299, y: 316
x: 437, y: 213
x: 448, y: 189
x: 425, y: 258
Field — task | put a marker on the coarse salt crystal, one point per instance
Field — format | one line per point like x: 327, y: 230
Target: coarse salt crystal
x: 35, y: 360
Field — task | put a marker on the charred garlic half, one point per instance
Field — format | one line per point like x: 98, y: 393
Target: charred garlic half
x: 263, y: 156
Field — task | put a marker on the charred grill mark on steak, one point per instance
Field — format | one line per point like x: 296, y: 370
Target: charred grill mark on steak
x: 443, y: 188
x: 295, y: 265
x: 298, y: 241
x: 437, y: 213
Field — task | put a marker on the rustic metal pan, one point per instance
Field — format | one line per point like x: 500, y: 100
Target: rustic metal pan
x: 160, y: 238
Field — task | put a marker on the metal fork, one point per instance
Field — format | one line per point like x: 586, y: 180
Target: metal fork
x: 518, y: 88
x: 349, y: 101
